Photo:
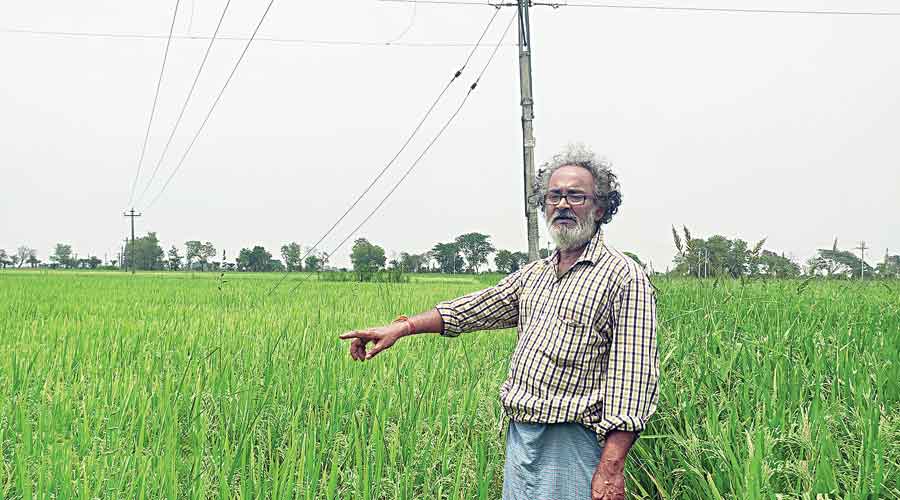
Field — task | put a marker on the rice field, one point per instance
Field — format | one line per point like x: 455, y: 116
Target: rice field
x: 197, y: 386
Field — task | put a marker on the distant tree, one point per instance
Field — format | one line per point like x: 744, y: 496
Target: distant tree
x: 313, y: 263
x: 192, y: 251
x: 93, y: 262
x: 276, y: 265
x: 62, y: 255
x: 145, y: 251
x: 476, y: 248
x: 33, y: 261
x: 174, y: 259
x: 890, y: 268
x: 447, y: 256
x: 206, y: 252
x: 777, y: 266
x: 24, y: 254
x: 256, y: 260
x: 4, y: 259
x: 293, y: 256
x: 366, y: 257
x: 411, y: 263
x: 519, y: 259
x: 503, y: 261
x: 840, y: 263
x: 542, y: 253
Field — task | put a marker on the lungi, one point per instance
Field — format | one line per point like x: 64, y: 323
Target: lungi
x: 549, y: 461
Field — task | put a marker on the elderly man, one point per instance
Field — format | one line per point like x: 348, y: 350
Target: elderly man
x: 582, y: 380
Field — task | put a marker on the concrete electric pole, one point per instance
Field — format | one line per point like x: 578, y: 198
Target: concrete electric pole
x: 527, y: 128
x: 132, y: 215
x: 862, y: 259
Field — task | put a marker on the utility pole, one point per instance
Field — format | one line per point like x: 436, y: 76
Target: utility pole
x: 132, y: 215
x: 527, y: 129
x: 122, y: 255
x: 862, y: 259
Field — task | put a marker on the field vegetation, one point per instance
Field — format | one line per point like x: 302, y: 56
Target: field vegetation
x: 174, y: 385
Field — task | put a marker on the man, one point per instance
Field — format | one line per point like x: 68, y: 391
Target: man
x: 582, y: 380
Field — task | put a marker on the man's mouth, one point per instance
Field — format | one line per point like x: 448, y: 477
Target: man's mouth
x: 564, y: 220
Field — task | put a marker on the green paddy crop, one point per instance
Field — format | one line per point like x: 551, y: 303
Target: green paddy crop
x: 190, y: 386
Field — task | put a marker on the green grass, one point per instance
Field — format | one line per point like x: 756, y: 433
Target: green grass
x: 181, y: 386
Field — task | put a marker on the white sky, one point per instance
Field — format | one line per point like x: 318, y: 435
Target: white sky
x: 747, y: 125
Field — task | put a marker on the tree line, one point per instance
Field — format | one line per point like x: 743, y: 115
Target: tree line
x: 720, y: 256
x: 714, y: 256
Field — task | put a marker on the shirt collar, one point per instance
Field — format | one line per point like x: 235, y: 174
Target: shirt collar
x: 591, y: 253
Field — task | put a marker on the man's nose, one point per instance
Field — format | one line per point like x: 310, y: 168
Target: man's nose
x: 565, y: 200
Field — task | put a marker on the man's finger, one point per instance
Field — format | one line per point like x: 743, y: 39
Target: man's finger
x: 375, y: 350
x: 358, y: 334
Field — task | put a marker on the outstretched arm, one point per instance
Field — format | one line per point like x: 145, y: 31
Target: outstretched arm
x: 384, y: 336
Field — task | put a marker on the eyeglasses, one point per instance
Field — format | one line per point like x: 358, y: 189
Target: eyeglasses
x: 572, y: 198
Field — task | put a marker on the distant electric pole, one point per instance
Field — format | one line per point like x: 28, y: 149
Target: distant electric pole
x: 862, y: 259
x: 527, y: 128
x: 122, y: 255
x: 131, y: 215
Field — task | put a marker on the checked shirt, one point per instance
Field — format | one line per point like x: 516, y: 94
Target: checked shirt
x: 586, y: 349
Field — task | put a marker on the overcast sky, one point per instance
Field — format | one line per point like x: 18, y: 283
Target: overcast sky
x: 746, y: 125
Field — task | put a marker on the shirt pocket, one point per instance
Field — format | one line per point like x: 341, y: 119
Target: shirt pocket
x: 573, y: 343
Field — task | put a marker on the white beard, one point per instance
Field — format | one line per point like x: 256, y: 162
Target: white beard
x: 567, y: 238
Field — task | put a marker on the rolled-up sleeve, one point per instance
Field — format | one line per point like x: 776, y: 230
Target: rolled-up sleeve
x: 493, y: 308
x: 632, y: 377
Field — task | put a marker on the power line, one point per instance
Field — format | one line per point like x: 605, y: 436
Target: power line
x: 155, y: 100
x: 718, y: 9
x: 657, y: 7
x: 427, y: 148
x: 400, y: 151
x: 186, y: 101
x: 412, y: 21
x: 213, y: 107
x: 269, y: 39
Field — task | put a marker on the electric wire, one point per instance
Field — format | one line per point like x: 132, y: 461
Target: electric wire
x: 657, y: 7
x: 399, y: 152
x: 425, y: 151
x: 213, y: 107
x: 155, y: 100
x: 269, y: 39
x: 412, y: 21
x: 184, y: 106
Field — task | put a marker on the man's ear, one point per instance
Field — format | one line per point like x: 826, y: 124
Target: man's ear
x: 600, y: 212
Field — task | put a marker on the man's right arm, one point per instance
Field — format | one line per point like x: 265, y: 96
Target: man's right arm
x: 385, y: 336
x: 495, y: 307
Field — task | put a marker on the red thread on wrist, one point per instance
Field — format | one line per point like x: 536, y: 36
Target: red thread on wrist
x: 411, y: 328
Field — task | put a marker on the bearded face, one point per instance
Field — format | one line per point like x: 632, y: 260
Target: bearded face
x: 568, y: 230
x: 571, y: 211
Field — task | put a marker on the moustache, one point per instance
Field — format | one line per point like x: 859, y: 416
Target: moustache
x: 564, y: 214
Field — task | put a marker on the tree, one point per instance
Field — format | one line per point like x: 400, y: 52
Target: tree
x: 4, y: 259
x: 777, y: 266
x: 24, y: 254
x: 313, y: 263
x: 890, y: 268
x: 293, y: 256
x: 256, y: 260
x: 503, y: 261
x: 174, y: 259
x: 33, y: 261
x: 476, y: 248
x: 62, y: 255
x: 206, y: 252
x: 145, y: 251
x: 191, y: 251
x: 447, y: 257
x: 838, y: 263
x: 366, y: 257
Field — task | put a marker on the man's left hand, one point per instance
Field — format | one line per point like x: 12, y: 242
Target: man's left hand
x: 608, y: 482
